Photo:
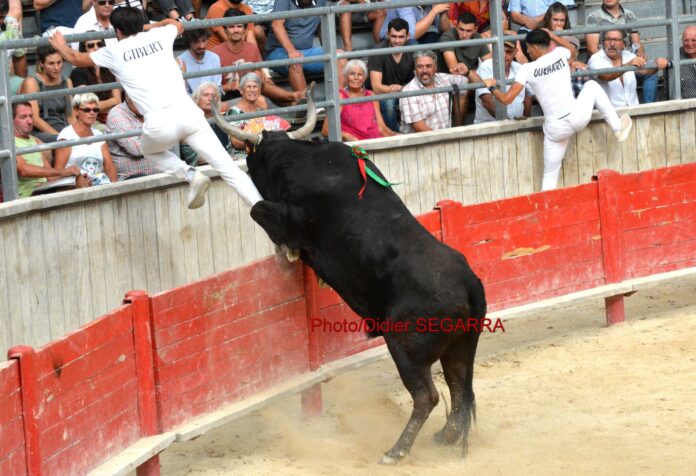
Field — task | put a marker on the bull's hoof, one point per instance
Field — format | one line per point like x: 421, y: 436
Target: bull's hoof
x: 292, y: 255
x: 392, y: 459
x: 446, y: 436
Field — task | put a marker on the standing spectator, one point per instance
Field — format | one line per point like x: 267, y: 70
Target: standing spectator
x: 94, y: 160
x: 35, y: 169
x: 218, y: 10
x: 197, y: 58
x: 97, y: 75
x: 236, y: 50
x: 462, y: 60
x: 621, y: 87
x: 51, y: 115
x: 363, y: 120
x: 376, y: 17
x: 688, y: 71
x: 425, y: 24
x: 127, y: 153
x: 520, y: 106
x: 611, y: 12
x: 431, y: 111
x: 390, y: 73
x: 11, y: 21
x: 60, y: 13
x: 479, y: 8
x: 548, y: 77
x: 96, y: 19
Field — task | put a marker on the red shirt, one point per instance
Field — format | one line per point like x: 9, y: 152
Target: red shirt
x: 479, y: 9
x: 217, y: 10
x: 248, y: 54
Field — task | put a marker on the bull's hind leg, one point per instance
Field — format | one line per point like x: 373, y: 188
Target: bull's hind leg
x: 458, y: 368
x: 415, y: 373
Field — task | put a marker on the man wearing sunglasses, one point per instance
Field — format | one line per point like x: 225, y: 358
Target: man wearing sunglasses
x: 144, y: 64
x: 97, y: 18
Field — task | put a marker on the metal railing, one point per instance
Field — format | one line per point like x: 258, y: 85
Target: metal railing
x: 329, y: 58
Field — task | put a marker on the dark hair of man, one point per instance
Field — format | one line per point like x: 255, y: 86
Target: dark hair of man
x: 43, y: 52
x: 233, y: 12
x: 192, y: 36
x: 539, y: 38
x: 467, y: 18
x: 397, y: 24
x: 128, y: 20
x: 17, y: 104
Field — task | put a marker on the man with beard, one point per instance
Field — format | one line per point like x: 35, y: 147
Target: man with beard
x: 621, y: 87
x: 428, y: 112
x: 197, y: 58
x: 218, y: 10
x: 390, y: 73
x: 548, y: 76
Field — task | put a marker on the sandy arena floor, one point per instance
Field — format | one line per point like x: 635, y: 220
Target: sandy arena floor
x: 557, y: 393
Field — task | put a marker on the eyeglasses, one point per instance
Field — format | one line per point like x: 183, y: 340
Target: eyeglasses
x: 95, y: 110
x: 613, y: 40
x: 94, y: 44
x: 104, y: 2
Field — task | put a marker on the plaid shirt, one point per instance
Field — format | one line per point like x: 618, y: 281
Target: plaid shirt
x: 688, y: 77
x: 434, y: 109
x: 127, y: 153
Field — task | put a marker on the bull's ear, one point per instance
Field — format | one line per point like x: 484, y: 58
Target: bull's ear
x: 283, y: 226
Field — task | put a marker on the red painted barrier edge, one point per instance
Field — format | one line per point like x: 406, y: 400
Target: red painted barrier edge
x: 28, y: 379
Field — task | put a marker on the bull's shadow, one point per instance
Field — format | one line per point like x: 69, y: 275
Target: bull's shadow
x: 379, y: 259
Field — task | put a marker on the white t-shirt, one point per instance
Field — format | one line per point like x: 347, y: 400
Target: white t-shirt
x: 514, y: 110
x: 549, y: 79
x: 144, y: 64
x: 88, y: 22
x: 87, y: 157
x: 621, y: 94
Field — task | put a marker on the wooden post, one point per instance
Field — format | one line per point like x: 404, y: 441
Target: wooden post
x: 612, y: 241
x: 448, y: 215
x: 28, y: 379
x: 312, y: 404
x: 144, y: 367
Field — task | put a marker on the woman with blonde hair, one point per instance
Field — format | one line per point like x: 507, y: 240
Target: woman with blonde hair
x: 93, y: 159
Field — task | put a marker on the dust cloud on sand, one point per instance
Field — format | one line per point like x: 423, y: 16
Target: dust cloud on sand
x: 557, y: 393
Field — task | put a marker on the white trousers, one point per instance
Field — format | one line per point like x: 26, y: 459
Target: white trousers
x: 557, y: 132
x: 185, y: 122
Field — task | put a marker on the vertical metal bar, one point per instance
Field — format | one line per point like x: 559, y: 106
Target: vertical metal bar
x: 498, y: 54
x: 328, y: 41
x: 8, y: 165
x: 673, y: 41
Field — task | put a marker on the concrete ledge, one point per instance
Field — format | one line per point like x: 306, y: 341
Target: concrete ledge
x: 135, y: 455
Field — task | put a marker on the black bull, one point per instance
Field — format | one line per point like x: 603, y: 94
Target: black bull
x: 380, y: 260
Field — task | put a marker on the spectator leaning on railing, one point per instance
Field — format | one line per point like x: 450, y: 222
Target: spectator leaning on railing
x: 425, y: 24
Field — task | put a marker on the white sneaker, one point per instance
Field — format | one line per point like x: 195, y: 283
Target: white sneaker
x: 626, y: 123
x: 197, y: 190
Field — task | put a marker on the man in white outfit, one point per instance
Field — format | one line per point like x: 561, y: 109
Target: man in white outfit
x: 548, y: 75
x: 144, y: 64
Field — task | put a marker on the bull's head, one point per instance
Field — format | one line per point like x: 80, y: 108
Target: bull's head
x: 254, y: 139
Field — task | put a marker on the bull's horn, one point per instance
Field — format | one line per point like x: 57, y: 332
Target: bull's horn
x: 235, y: 132
x: 308, y: 127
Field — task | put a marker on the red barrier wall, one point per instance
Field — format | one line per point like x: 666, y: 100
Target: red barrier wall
x: 158, y: 361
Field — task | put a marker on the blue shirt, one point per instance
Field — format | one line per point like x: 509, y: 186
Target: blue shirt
x: 210, y: 60
x: 300, y: 30
x: 534, y: 8
x: 62, y: 13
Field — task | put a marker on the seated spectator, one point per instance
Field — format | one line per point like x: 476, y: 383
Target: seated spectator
x: 204, y: 96
x: 218, y: 10
x: 176, y: 9
x: 236, y: 50
x: 529, y: 13
x: 390, y: 73
x: 127, y: 153
x: 505, y: 20
x: 35, y: 169
x: 485, y: 105
x: 51, y: 115
x: 556, y: 19
x: 96, y: 19
x: 94, y: 160
x: 11, y: 24
x: 97, y: 75
x: 60, y: 13
x: 252, y: 101
x: 621, y: 87
x: 376, y: 17
x: 196, y: 58
x: 294, y: 38
x: 425, y: 24
x: 260, y: 7
x: 363, y: 120
x: 479, y: 8
x: 431, y: 111
x: 688, y: 71
x: 611, y: 12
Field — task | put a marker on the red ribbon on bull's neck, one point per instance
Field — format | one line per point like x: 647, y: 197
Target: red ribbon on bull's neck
x: 360, y: 154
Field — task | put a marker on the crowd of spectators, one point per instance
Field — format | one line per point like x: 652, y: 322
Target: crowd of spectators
x: 85, y: 115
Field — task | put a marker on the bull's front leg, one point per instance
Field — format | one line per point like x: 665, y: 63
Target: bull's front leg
x: 417, y: 377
